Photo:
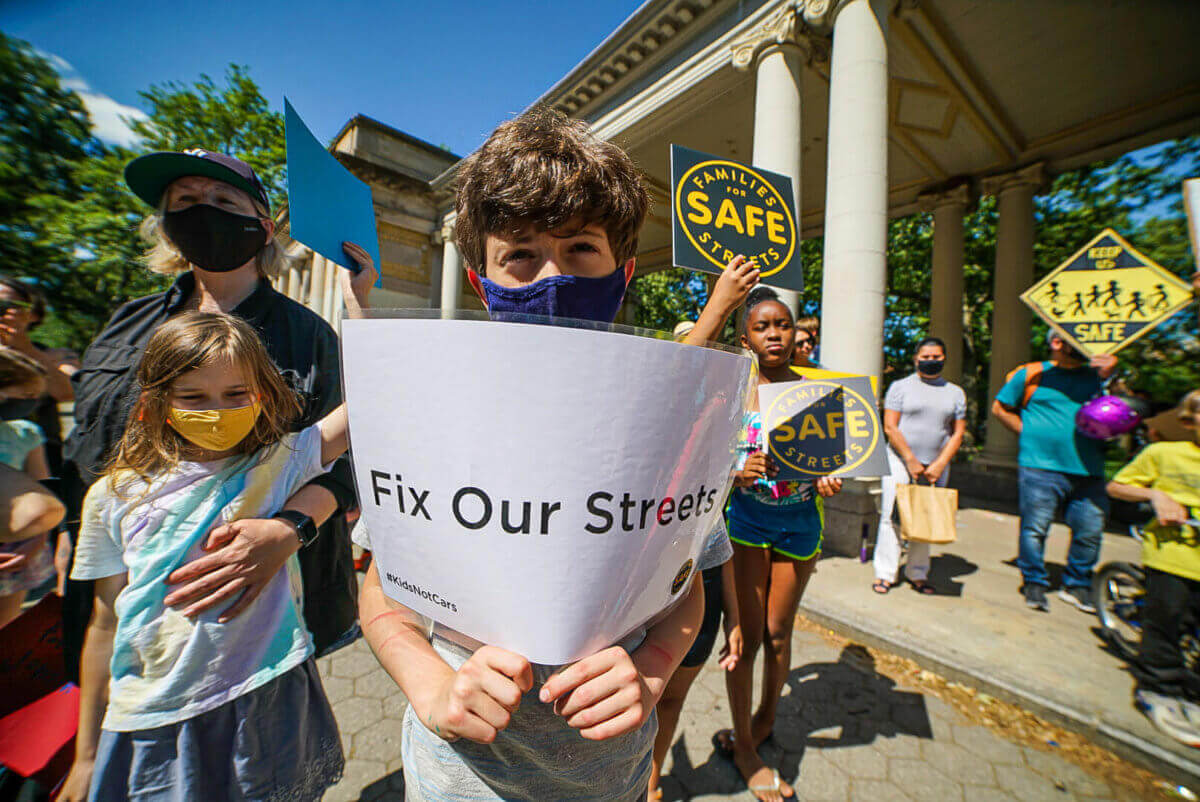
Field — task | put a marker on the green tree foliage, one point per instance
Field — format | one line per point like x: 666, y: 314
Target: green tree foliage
x: 44, y: 134
x: 95, y: 233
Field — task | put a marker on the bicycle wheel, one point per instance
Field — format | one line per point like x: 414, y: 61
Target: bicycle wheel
x: 1119, y: 593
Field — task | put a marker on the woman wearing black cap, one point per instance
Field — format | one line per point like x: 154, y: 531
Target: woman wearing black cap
x: 212, y: 228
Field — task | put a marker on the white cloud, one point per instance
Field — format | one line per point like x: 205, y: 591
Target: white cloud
x: 106, y: 113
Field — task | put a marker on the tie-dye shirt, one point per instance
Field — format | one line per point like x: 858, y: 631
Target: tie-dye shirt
x: 167, y: 668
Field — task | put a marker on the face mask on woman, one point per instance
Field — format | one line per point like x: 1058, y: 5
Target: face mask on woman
x: 213, y: 239
x: 930, y: 367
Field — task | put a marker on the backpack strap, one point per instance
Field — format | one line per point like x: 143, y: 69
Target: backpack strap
x: 1033, y: 380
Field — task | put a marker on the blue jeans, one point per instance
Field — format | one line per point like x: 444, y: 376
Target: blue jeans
x: 1085, y: 505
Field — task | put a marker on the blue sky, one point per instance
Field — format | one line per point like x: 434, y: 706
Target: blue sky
x: 444, y: 72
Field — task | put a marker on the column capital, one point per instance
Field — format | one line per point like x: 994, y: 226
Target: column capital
x: 446, y: 232
x: 958, y: 195
x: 1033, y: 176
x: 784, y: 28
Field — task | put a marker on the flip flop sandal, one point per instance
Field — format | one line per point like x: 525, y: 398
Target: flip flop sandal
x: 881, y: 587
x: 924, y: 588
x: 774, y: 786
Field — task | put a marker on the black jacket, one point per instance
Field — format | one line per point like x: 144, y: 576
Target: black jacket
x: 303, y: 347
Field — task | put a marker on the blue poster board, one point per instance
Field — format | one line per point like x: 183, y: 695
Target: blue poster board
x: 327, y: 205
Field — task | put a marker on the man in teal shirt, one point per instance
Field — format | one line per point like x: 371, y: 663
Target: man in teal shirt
x: 1058, y: 466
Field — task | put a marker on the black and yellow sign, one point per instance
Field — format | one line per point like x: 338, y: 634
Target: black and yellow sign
x: 721, y: 208
x: 823, y: 427
x: 1107, y: 295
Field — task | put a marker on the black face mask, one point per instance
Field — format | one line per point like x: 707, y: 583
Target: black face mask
x: 18, y: 408
x: 930, y: 367
x: 214, y: 239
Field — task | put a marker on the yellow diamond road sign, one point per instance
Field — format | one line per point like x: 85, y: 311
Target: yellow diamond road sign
x: 1107, y: 295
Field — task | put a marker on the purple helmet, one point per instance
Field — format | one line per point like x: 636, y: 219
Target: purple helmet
x: 1105, y: 417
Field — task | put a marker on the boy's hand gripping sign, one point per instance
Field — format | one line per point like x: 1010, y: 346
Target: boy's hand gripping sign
x: 823, y: 427
x: 542, y: 489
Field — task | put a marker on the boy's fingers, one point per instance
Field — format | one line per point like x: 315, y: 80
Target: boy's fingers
x: 587, y: 695
x: 222, y: 594
x: 501, y: 688
x: 495, y: 715
x: 239, y: 607
x: 626, y: 722
x: 572, y: 677
x: 196, y: 568
x: 607, y: 708
x: 510, y: 664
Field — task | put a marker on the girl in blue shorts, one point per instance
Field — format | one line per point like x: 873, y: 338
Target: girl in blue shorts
x: 776, y: 532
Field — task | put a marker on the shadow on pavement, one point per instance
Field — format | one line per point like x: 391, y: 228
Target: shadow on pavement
x: 826, y: 706
x: 943, y: 568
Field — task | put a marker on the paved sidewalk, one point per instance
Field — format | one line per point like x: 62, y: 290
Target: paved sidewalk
x: 978, y: 631
x: 845, y: 733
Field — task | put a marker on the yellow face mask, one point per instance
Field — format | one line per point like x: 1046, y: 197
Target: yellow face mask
x: 215, y: 429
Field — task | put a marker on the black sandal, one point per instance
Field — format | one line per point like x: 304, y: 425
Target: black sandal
x: 924, y: 588
x: 881, y: 586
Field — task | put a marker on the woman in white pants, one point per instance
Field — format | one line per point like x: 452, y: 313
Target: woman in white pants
x: 924, y: 418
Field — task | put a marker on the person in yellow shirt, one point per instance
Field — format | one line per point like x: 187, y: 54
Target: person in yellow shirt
x: 1167, y: 475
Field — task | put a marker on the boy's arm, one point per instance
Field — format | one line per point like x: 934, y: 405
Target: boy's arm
x: 93, y: 685
x: 729, y: 292
x: 475, y: 702
x: 1167, y: 510
x: 612, y: 692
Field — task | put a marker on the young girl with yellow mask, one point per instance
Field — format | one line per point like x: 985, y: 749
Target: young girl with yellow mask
x: 182, y: 703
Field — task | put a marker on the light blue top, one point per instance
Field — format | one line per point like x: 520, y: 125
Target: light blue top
x: 17, y: 439
x: 167, y: 668
x: 1049, y: 440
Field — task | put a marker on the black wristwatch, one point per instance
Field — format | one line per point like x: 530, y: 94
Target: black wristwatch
x: 306, y: 530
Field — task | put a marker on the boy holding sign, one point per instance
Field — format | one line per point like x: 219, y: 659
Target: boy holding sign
x: 548, y: 219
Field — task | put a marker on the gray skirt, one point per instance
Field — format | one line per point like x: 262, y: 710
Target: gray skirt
x: 278, y: 742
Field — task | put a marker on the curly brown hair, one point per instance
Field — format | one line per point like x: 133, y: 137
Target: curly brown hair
x: 547, y: 170
x: 150, y: 446
x: 1189, y: 409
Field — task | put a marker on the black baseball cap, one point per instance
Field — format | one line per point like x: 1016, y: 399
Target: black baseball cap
x: 149, y: 175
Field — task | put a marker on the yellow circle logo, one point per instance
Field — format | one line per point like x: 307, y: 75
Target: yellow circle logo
x: 681, y: 577
x: 821, y: 427
x: 725, y: 208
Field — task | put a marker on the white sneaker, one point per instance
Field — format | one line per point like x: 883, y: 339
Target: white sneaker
x: 1169, y: 715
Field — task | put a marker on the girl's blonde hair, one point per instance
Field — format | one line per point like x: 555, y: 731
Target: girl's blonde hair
x: 162, y: 257
x: 192, y: 340
x: 18, y: 369
x: 1189, y: 409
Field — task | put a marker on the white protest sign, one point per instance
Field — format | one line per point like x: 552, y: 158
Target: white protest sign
x: 546, y: 490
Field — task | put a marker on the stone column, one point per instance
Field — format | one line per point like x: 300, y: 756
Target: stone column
x: 778, y: 57
x: 856, y: 196
x: 946, y: 304
x: 452, y: 269
x: 1013, y: 275
x: 316, y: 282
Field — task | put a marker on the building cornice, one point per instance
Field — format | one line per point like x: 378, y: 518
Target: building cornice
x: 1032, y: 176
x: 789, y: 26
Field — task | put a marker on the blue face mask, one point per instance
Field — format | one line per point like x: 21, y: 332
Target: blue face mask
x: 577, y: 297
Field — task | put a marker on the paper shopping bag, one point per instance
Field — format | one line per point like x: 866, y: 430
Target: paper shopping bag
x: 927, y: 513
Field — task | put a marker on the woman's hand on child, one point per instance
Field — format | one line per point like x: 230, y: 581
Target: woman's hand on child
x: 731, y: 652
x: 1167, y: 510
x: 734, y: 284
x: 244, y: 556
x: 829, y: 486
x: 477, y: 701
x: 602, y: 696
